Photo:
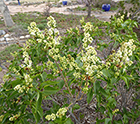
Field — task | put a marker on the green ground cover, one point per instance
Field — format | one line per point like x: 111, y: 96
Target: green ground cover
x: 63, y: 21
x: 6, y: 53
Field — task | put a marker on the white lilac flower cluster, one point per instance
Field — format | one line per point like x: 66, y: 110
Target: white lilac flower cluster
x: 16, y: 71
x: 87, y: 27
x: 25, y: 87
x: 19, y: 88
x: 72, y: 65
x: 90, y: 61
x: 116, y: 110
x: 14, y: 117
x: 52, y: 39
x: 119, y: 21
x: 34, y: 31
x: 121, y: 59
x: 51, y: 43
x: 85, y: 88
x: 89, y: 57
x: 87, y: 38
x: 51, y: 117
x: 61, y: 112
x: 27, y: 61
x: 28, y: 79
x: 51, y: 23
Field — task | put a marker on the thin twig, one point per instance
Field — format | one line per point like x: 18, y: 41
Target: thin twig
x: 64, y: 79
x: 77, y: 122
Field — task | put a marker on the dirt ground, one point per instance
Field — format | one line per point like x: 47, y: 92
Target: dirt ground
x: 40, y: 8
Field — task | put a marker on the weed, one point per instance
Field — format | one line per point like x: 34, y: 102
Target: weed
x: 5, y: 54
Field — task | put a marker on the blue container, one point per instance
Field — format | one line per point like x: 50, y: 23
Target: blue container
x: 64, y: 3
x: 106, y: 7
x: 18, y: 2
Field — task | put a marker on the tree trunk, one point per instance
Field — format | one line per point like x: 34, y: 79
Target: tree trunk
x: 89, y: 7
x: 6, y: 14
x: 89, y: 10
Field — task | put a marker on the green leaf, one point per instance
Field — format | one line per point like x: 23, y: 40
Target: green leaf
x: 34, y: 76
x: 116, y: 44
x: 16, y: 82
x: 61, y: 84
x: 43, y: 76
x: 125, y: 119
x: 136, y: 24
x: 51, y: 122
x: 89, y: 96
x: 25, y: 121
x: 125, y: 80
x: 70, y: 73
x: 113, y: 80
x: 78, y: 61
x: 96, y: 87
x: 50, y: 90
x: 38, y: 113
x: 102, y: 109
x: 106, y: 73
x: 5, y: 117
x: 13, y: 95
x: 48, y: 83
x: 50, y: 76
x: 39, y: 100
x: 107, y: 120
x: 23, y: 108
x: 99, y: 100
x: 76, y: 106
x: 38, y: 109
x: 103, y: 92
x: 66, y: 91
x: 129, y: 77
x: 74, y: 80
x: 101, y: 48
x: 68, y: 121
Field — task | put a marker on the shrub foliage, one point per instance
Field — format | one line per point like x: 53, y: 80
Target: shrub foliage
x: 51, y: 76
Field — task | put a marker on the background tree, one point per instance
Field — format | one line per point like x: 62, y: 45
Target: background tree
x: 89, y: 4
x: 89, y: 7
x: 6, y: 14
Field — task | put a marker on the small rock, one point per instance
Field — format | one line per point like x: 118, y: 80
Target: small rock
x: 2, y: 32
x: 3, y: 67
x: 27, y: 36
x: 21, y: 37
x: 9, y: 39
x: 7, y: 35
x: 69, y: 10
x: 2, y: 39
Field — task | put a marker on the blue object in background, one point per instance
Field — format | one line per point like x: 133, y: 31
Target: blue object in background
x: 18, y: 2
x: 64, y: 2
x: 106, y: 7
